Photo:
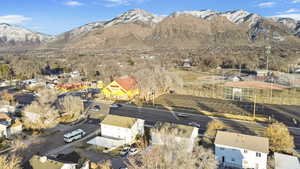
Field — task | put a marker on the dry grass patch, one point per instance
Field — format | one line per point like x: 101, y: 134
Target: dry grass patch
x: 67, y: 119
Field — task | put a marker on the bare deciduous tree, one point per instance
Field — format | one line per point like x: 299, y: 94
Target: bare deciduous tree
x: 280, y: 138
x: 4, y: 102
x: 156, y: 80
x: 172, y: 154
x: 41, y: 114
x: 212, y: 128
x: 72, y: 106
x: 271, y: 162
x: 10, y: 162
x: 5, y: 95
x: 47, y: 96
x: 104, y: 165
x: 18, y: 147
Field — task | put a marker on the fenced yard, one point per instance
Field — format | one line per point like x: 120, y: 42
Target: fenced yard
x: 211, y: 85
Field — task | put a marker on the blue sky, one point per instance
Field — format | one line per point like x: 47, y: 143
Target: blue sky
x: 57, y: 16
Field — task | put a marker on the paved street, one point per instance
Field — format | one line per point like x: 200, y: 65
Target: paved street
x: 54, y: 143
x: 152, y: 114
x: 282, y: 113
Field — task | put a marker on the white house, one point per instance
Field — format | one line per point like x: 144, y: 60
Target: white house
x: 184, y: 135
x: 241, y: 151
x: 8, y: 126
x: 75, y: 74
x: 262, y: 73
x: 283, y: 161
x: 118, y: 130
x: 7, y: 109
x: 234, y: 78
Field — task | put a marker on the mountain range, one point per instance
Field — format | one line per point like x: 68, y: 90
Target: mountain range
x: 140, y: 29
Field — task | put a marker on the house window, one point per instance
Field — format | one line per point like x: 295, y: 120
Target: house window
x: 245, y: 151
x: 258, y: 154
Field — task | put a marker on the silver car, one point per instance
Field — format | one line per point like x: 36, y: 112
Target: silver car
x: 195, y: 124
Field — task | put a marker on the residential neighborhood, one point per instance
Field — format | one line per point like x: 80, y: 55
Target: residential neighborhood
x: 110, y: 127
x: 144, y: 84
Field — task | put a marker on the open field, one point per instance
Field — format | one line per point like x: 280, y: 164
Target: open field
x: 212, y: 85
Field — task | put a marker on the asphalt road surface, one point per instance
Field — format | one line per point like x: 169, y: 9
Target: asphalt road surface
x: 152, y: 114
x: 54, y: 143
x: 282, y: 113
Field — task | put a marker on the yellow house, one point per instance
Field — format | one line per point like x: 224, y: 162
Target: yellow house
x: 121, y: 89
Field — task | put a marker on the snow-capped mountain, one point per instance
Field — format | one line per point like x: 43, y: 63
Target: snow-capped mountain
x: 203, y: 14
x: 135, y: 16
x: 11, y: 35
x: 237, y: 17
x: 80, y: 31
x: 139, y: 16
x: 86, y: 28
x: 241, y: 16
x: 257, y: 26
x: 292, y: 24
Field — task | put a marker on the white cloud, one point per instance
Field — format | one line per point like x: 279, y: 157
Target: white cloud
x: 14, y: 19
x: 73, y: 3
x: 266, y: 4
x: 295, y: 16
x: 292, y: 10
x: 296, y: 1
x: 113, y: 3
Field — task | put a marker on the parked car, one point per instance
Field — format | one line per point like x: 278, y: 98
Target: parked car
x: 133, y: 151
x: 183, y: 115
x: 126, y: 146
x: 96, y: 108
x: 295, y: 121
x: 115, y: 105
x: 124, y: 152
x: 194, y: 124
x: 20, y: 106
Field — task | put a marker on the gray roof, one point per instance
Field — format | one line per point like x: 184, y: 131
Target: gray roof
x: 119, y: 121
x: 253, y: 143
x: 283, y: 161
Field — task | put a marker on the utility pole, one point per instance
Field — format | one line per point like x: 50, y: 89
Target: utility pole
x: 254, y: 105
x: 240, y: 70
x: 295, y: 90
x: 153, y: 98
x: 268, y: 52
x: 271, y: 93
